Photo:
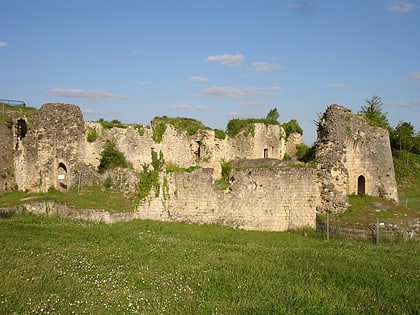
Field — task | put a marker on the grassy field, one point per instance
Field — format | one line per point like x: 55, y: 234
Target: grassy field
x: 51, y: 265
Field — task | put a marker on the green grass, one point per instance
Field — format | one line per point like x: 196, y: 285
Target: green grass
x: 89, y: 197
x: 407, y: 172
x: 52, y: 265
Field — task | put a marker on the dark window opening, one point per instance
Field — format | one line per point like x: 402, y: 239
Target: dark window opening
x: 62, y: 176
x: 21, y: 128
x: 265, y: 153
x: 198, y: 152
x: 361, y: 182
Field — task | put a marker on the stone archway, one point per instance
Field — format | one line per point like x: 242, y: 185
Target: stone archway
x: 361, y: 185
x: 62, y: 176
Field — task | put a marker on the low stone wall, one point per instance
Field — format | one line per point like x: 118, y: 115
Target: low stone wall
x: 410, y: 231
x: 265, y: 199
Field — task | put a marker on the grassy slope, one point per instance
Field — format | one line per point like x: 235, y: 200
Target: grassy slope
x: 59, y: 266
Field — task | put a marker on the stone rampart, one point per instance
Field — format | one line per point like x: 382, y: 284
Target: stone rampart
x: 257, y: 199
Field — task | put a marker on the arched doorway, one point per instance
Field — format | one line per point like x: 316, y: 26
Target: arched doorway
x: 62, y: 176
x: 361, y: 182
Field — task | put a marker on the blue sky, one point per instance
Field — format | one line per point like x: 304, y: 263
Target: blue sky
x: 212, y: 60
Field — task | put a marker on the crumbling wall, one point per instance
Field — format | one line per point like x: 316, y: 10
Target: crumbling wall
x: 271, y: 199
x: 183, y: 150
x: 7, y: 170
x: 48, y: 155
x: 354, y: 158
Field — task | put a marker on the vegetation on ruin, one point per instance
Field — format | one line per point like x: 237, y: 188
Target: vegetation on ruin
x: 52, y: 265
x: 149, y: 176
x: 219, y: 134
x: 173, y: 168
x: 189, y: 125
x: 246, y: 126
x: 91, y: 134
x: 111, y: 157
x: 223, y: 182
x: 111, y: 124
x: 292, y: 126
x: 158, y: 132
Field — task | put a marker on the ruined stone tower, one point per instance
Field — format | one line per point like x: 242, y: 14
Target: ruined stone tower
x: 354, y: 157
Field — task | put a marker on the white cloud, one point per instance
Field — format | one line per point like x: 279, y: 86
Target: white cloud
x: 142, y: 83
x: 337, y: 86
x: 240, y: 115
x: 415, y: 76
x: 401, y: 7
x: 254, y: 104
x: 230, y: 92
x: 198, y: 79
x: 94, y: 112
x: 3, y: 44
x: 227, y: 59
x: 86, y: 94
x: 265, y: 66
x: 184, y: 107
x: 405, y: 104
x: 180, y: 107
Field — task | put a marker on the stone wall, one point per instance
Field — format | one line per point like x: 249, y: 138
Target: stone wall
x: 48, y: 155
x: 354, y: 158
x: 271, y: 199
x: 7, y: 170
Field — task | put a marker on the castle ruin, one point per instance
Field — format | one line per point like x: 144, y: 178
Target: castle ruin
x: 49, y: 149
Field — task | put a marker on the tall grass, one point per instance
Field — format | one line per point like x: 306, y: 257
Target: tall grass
x: 52, y: 265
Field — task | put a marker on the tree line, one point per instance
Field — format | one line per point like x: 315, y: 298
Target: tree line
x: 403, y: 136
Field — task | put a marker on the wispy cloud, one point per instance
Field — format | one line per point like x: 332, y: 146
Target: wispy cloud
x: 3, y: 44
x: 265, y: 66
x: 227, y: 59
x: 94, y: 112
x: 86, y: 94
x: 198, y: 79
x: 142, y: 83
x: 337, y: 86
x: 305, y: 8
x: 240, y: 115
x: 415, y: 103
x: 254, y: 104
x: 184, y: 107
x: 415, y: 76
x: 401, y: 6
x: 230, y: 92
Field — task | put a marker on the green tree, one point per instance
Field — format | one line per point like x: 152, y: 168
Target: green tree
x: 373, y: 113
x: 111, y: 157
x: 403, y: 136
x: 273, y: 114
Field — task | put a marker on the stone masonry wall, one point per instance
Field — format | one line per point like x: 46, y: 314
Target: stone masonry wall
x: 258, y: 199
x: 354, y: 157
x: 48, y: 155
x: 7, y: 170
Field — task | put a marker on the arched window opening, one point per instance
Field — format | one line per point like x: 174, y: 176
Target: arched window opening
x: 62, y: 175
x: 361, y: 182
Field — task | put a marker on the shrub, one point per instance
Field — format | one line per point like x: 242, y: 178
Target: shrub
x: 189, y: 125
x: 111, y: 157
x: 92, y: 134
x: 158, y: 132
x: 236, y: 125
x: 219, y: 134
x: 292, y: 126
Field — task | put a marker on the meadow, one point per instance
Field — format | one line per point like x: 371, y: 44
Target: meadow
x: 52, y: 265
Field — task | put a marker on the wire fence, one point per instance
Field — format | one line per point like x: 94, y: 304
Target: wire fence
x: 15, y: 103
x: 374, y: 231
